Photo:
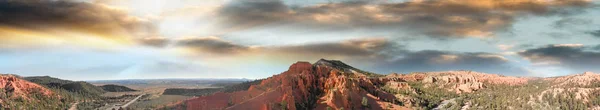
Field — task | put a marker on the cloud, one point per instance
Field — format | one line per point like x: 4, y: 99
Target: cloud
x: 439, y: 18
x: 210, y: 46
x: 595, y: 33
x: 154, y: 41
x: 252, y: 13
x: 349, y: 49
x: 434, y: 60
x: 504, y: 47
x: 366, y: 48
x: 597, y: 47
x: 570, y: 22
x: 47, y: 22
x: 377, y: 54
x: 575, y: 57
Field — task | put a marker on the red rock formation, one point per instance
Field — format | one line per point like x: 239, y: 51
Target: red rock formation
x: 584, y: 79
x: 303, y: 86
x: 21, y: 88
x: 292, y: 87
x: 461, y: 81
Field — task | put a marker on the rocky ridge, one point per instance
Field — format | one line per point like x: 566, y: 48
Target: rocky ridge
x: 459, y: 81
x: 332, y: 84
x: 324, y: 84
x: 21, y: 88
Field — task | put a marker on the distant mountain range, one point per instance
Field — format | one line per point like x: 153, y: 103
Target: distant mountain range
x: 332, y: 84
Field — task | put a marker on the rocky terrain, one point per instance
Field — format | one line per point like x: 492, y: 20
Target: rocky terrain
x: 458, y: 81
x: 334, y: 85
x: 331, y: 84
x: 21, y: 88
x: 325, y: 84
x: 16, y: 93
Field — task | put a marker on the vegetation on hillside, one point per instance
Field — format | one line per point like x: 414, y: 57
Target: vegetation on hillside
x: 83, y: 87
x: 536, y: 95
x: 34, y: 100
x: 78, y: 88
x: 116, y: 88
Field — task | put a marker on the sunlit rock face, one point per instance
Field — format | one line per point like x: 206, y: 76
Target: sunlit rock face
x: 324, y: 84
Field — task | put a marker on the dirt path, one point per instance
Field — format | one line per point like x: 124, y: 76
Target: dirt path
x: 132, y: 101
x: 126, y: 104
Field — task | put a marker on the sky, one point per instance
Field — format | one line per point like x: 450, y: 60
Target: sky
x: 151, y: 39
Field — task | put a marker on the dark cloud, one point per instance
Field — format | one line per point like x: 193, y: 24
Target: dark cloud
x: 377, y: 54
x: 597, y: 47
x: 249, y: 13
x: 439, y: 18
x: 154, y: 41
x: 557, y: 35
x: 210, y: 45
x: 352, y: 49
x: 348, y: 49
x: 570, y: 22
x: 571, y: 56
x: 52, y: 15
x: 595, y: 33
x: 433, y: 60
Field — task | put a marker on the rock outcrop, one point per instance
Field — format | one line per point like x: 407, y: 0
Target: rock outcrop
x: 460, y: 81
x: 21, y: 88
x: 585, y: 79
x: 335, y: 85
x: 325, y: 84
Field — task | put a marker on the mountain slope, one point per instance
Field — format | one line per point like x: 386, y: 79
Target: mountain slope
x: 325, y: 84
x: 80, y: 88
x: 16, y: 93
x: 83, y: 87
x: 331, y: 84
x: 116, y: 88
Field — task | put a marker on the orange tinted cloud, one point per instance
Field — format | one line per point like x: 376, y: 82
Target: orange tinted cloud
x: 41, y: 22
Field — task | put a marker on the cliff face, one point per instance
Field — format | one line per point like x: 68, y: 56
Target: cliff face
x: 325, y: 84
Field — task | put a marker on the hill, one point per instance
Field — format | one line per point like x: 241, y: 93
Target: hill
x: 325, y: 84
x: 331, y: 84
x: 47, y: 80
x: 81, y: 88
x: 16, y: 93
x: 116, y: 88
